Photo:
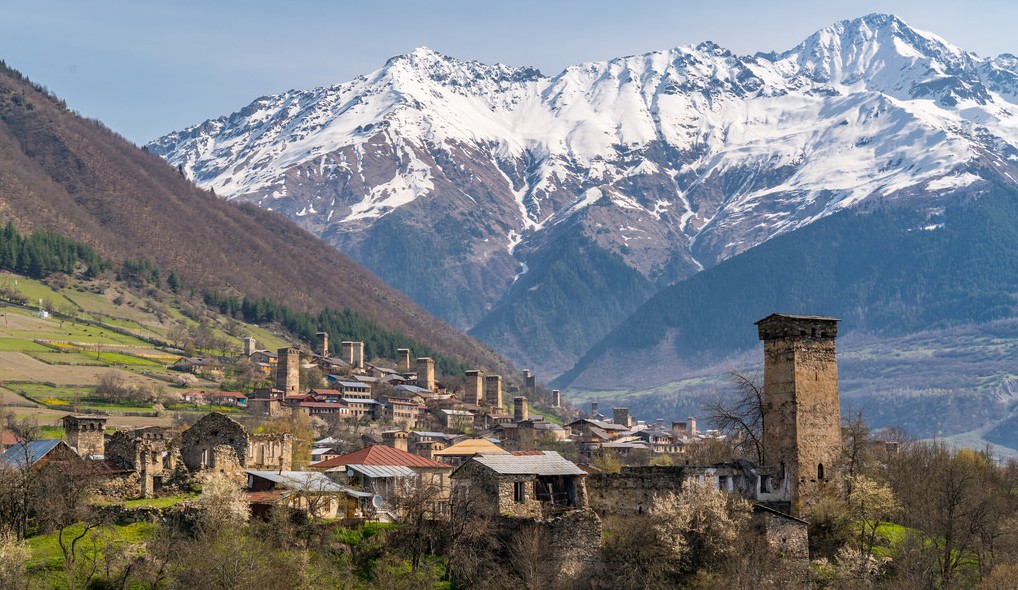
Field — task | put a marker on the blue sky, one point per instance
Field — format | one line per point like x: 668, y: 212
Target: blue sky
x: 145, y: 68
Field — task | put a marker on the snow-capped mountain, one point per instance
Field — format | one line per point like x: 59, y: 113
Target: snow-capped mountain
x: 452, y: 179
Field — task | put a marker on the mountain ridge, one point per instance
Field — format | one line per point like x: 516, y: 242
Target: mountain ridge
x: 675, y: 160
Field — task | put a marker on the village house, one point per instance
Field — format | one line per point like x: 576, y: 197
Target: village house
x: 530, y: 484
x: 389, y: 472
x: 307, y: 491
x: 458, y: 453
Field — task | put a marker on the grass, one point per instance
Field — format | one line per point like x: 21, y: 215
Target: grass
x: 164, y: 502
x: 120, y: 358
x: 62, y: 358
x: 43, y: 391
x: 22, y: 345
x: 46, y: 553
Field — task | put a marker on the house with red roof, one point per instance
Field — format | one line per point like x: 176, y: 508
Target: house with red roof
x: 394, y: 475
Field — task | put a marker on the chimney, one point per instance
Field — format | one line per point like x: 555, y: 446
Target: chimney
x: 691, y: 426
x: 520, y: 410
x: 396, y: 439
x: 250, y: 346
x: 556, y: 398
x: 493, y: 391
x: 403, y: 360
x: 621, y: 416
x: 323, y: 343
x: 426, y: 373
x: 474, y: 388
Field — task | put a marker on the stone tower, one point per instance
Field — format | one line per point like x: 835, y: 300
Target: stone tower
x: 85, y: 434
x: 473, y: 389
x: 521, y: 409
x: 352, y: 353
x: 323, y: 343
x: 250, y: 346
x: 426, y: 373
x: 493, y: 391
x: 396, y: 439
x: 556, y: 398
x: 403, y: 360
x: 801, y: 413
x: 288, y: 370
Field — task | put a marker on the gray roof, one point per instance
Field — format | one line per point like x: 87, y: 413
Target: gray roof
x: 382, y: 471
x: 36, y: 450
x: 537, y: 463
x: 351, y: 384
x: 301, y: 481
x: 412, y: 389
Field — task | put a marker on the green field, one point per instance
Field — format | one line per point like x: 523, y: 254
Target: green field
x: 22, y: 345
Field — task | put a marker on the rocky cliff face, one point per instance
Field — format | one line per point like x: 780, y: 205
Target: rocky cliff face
x: 452, y: 179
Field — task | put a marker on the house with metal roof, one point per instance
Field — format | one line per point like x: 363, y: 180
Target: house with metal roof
x: 526, y: 484
x: 309, y: 491
x: 34, y: 453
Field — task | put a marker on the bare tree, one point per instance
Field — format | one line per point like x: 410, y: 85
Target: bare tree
x: 741, y: 416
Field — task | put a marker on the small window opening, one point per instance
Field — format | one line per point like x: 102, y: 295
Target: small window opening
x: 519, y: 491
x: 820, y: 472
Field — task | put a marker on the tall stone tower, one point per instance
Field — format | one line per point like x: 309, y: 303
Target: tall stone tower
x: 250, y: 346
x: 493, y: 391
x: 801, y: 413
x: 288, y: 370
x: 473, y: 389
x: 426, y: 373
x: 85, y: 434
x: 403, y: 359
x: 323, y: 343
x: 521, y: 409
x: 353, y: 353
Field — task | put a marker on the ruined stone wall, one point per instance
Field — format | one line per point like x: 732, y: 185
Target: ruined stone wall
x: 788, y: 541
x: 628, y: 494
x: 269, y: 451
x: 198, y: 442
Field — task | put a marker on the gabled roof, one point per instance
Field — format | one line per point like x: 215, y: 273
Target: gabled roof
x: 33, y: 451
x: 381, y: 455
x: 379, y: 471
x: 8, y: 438
x: 472, y: 446
x: 300, y: 481
x: 535, y: 463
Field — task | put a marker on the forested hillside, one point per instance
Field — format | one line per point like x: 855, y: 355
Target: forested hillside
x: 65, y: 174
x: 886, y: 271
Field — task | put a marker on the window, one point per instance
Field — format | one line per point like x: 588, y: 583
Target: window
x: 519, y: 491
x: 820, y: 472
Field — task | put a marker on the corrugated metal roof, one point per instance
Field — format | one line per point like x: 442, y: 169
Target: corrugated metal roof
x: 382, y: 471
x: 540, y: 463
x: 301, y: 481
x: 32, y: 451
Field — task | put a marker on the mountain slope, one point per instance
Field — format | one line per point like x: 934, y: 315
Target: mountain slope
x: 452, y: 177
x: 70, y: 175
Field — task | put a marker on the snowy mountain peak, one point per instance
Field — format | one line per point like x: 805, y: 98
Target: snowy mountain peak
x: 674, y: 159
